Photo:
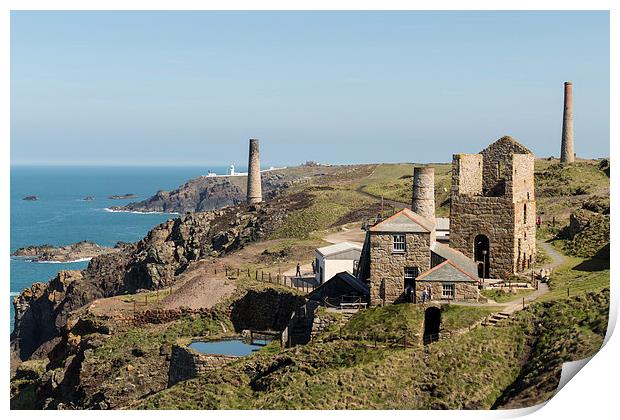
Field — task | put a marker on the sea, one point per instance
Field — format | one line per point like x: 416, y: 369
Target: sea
x: 61, y: 216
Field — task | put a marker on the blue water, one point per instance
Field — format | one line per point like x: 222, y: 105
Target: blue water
x: 224, y: 347
x: 61, y: 217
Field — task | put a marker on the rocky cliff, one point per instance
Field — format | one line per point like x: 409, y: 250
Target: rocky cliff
x: 151, y: 263
x: 208, y: 193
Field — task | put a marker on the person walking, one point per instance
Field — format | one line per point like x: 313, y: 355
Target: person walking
x: 313, y: 267
x: 298, y: 272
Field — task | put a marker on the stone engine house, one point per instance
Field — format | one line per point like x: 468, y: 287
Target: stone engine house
x: 492, y: 230
x: 493, y: 208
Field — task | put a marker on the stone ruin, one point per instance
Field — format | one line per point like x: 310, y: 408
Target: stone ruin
x: 493, y: 208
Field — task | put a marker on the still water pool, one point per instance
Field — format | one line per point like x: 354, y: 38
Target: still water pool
x: 225, y: 347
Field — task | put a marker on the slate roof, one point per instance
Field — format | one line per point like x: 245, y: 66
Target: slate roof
x: 344, y: 277
x: 446, y: 271
x: 339, y: 248
x: 405, y: 221
x: 458, y: 258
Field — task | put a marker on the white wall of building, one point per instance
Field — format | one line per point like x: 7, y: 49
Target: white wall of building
x: 326, y: 268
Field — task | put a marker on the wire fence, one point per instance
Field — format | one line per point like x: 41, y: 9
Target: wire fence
x: 306, y: 284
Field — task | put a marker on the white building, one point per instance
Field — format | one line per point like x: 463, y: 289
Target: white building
x: 334, y: 259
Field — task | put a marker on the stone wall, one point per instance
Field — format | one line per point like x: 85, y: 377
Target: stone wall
x: 467, y: 174
x: 267, y: 310
x: 490, y: 216
x: 463, y: 292
x: 504, y: 211
x: 161, y: 316
x: 495, y: 160
x: 186, y: 363
x: 387, y: 268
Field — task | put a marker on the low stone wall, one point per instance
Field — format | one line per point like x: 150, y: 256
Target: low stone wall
x: 158, y: 316
x: 186, y: 363
x: 321, y: 321
x: 267, y: 310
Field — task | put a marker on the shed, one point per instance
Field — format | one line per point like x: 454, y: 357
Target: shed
x: 340, y: 287
x: 336, y: 258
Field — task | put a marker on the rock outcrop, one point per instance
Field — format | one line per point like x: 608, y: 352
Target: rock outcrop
x: 151, y: 263
x: 209, y: 193
x: 77, y: 251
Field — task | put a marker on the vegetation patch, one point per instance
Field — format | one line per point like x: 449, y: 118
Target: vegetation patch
x: 506, y: 294
x: 565, y: 330
x: 456, y: 317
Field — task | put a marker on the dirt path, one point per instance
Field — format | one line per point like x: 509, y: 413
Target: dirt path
x: 557, y: 259
x: 348, y: 233
x: 200, y: 287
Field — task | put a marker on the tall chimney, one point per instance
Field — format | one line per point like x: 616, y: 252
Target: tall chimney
x: 568, y: 148
x: 423, y: 202
x: 255, y: 195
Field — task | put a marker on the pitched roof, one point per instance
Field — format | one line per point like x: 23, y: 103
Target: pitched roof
x: 458, y: 258
x: 509, y: 143
x: 345, y: 277
x: 335, y: 249
x: 446, y: 271
x: 404, y: 221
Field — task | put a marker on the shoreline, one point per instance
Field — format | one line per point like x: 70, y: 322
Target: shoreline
x: 111, y: 210
x: 34, y: 261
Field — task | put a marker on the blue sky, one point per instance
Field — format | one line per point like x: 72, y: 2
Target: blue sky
x: 189, y: 88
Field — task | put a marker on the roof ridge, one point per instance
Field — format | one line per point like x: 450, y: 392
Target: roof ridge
x: 447, y: 261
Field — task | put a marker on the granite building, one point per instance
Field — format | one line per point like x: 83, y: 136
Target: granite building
x: 493, y: 208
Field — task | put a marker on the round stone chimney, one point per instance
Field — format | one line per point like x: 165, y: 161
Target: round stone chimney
x: 255, y: 195
x: 567, y: 154
x: 423, y: 202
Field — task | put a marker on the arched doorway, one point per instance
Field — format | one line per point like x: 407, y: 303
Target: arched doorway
x: 432, y: 322
x: 481, y: 254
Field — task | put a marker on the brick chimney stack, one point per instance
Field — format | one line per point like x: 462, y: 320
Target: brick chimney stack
x: 255, y: 195
x: 568, y: 148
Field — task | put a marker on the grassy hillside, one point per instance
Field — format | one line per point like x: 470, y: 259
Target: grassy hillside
x: 477, y: 369
x: 395, y: 182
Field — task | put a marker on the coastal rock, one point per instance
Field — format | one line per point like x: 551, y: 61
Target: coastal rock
x: 30, y: 198
x: 209, y: 193
x: 153, y: 262
x: 123, y: 197
x: 88, y: 198
x: 73, y: 252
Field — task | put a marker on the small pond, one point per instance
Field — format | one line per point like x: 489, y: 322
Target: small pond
x: 226, y: 347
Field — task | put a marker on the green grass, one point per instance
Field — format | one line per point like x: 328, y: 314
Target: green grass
x: 387, y: 322
x: 119, y: 345
x: 565, y: 330
x: 469, y: 371
x: 455, y: 317
x: 326, y: 209
x: 556, y: 180
x: 503, y: 297
x: 577, y: 277
x: 395, y: 182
